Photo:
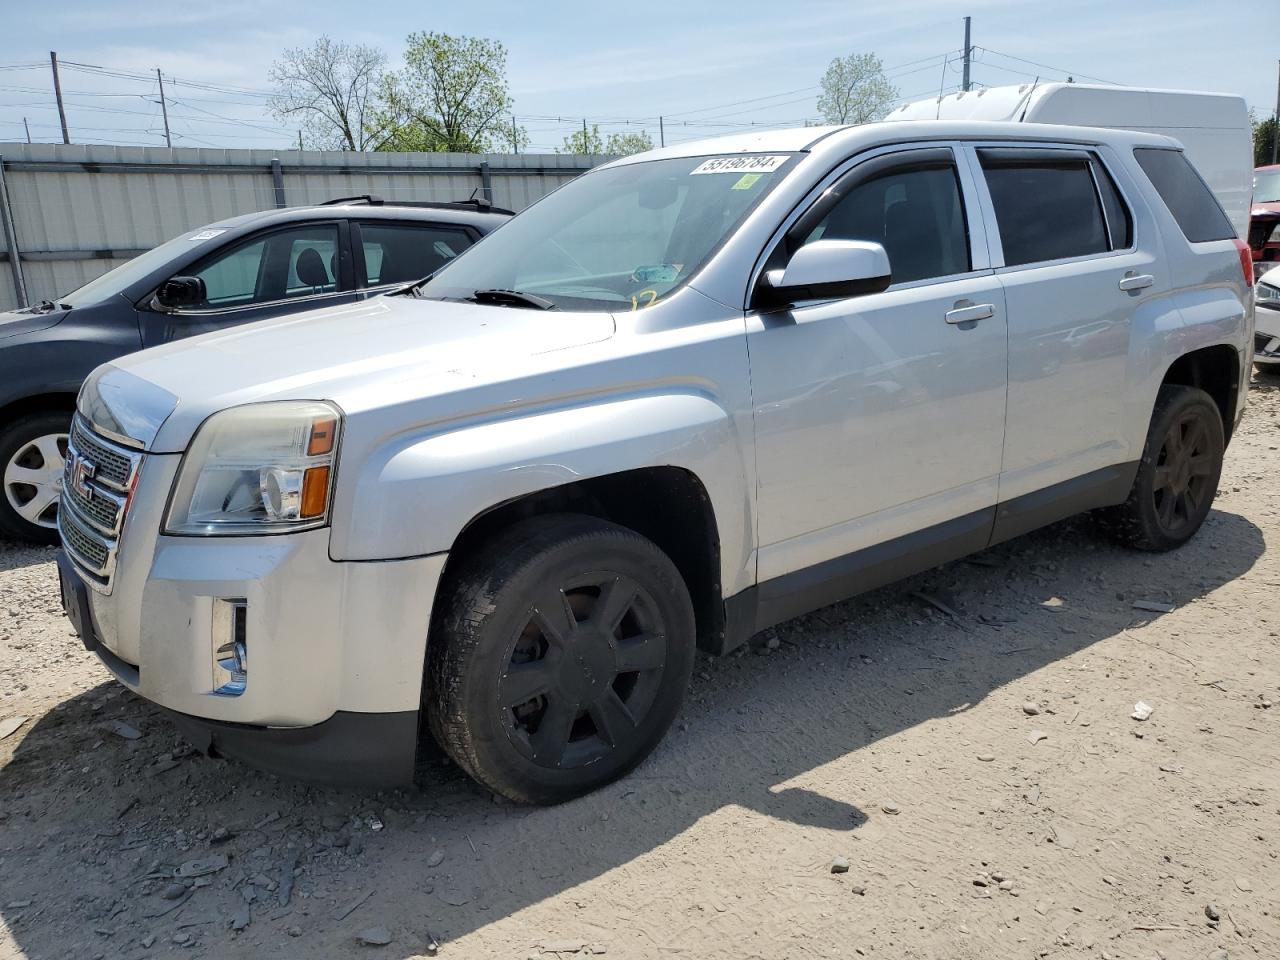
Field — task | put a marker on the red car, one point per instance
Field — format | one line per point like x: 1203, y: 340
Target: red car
x: 1264, y: 215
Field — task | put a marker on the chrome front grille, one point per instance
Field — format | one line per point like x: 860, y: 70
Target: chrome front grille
x: 95, y: 496
x: 115, y: 465
x: 84, y: 545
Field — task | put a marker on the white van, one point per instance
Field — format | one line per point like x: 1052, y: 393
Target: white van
x: 1214, y: 127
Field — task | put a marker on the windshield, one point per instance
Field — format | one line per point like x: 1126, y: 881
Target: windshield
x: 1266, y: 186
x: 620, y: 238
x: 116, y: 281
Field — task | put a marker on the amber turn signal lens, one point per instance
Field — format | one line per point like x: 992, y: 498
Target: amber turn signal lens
x: 315, y: 492
x: 322, y: 433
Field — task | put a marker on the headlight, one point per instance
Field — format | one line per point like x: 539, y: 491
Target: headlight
x: 1265, y: 295
x: 261, y: 468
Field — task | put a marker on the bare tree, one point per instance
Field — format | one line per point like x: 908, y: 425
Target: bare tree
x: 328, y: 88
x: 855, y: 90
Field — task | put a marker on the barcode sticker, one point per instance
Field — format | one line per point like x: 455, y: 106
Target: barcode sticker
x: 743, y: 164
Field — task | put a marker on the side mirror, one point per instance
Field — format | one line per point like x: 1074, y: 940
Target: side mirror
x: 827, y: 270
x: 178, y: 292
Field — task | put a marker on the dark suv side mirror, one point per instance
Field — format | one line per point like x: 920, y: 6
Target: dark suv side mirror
x: 179, y: 292
x: 827, y: 269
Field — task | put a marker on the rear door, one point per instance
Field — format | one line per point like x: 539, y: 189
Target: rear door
x: 391, y: 253
x: 278, y: 271
x: 1078, y: 269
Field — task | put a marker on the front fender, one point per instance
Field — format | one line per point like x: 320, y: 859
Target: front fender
x: 413, y: 496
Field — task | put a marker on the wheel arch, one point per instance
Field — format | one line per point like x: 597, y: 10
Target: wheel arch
x: 1217, y: 371
x: 59, y: 401
x: 667, y: 504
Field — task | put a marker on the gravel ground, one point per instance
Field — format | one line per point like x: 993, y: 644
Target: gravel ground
x: 963, y: 740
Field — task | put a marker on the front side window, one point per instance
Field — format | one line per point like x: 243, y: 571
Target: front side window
x: 916, y: 214
x: 1046, y: 204
x: 405, y: 252
x: 619, y: 238
x: 299, y: 262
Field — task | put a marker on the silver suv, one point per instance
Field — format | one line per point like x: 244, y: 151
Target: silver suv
x: 689, y: 395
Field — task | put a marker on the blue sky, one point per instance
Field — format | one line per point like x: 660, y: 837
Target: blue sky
x: 709, y: 67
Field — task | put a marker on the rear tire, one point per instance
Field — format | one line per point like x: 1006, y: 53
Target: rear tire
x: 1178, y: 476
x: 558, y: 658
x: 32, y: 450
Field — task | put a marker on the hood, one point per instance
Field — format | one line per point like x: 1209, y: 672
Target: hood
x: 356, y: 356
x: 1270, y: 275
x: 15, y: 322
x: 1268, y: 209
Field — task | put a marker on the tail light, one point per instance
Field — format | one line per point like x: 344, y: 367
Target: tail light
x: 1246, y: 260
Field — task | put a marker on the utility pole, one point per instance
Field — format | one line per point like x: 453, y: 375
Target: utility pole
x: 1275, y: 130
x: 26, y: 128
x: 662, y: 134
x: 968, y: 54
x: 57, y: 92
x: 164, y: 110
x: 515, y: 136
x: 584, y: 136
x: 299, y: 141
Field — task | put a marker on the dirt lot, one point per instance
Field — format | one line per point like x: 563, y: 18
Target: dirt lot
x: 982, y: 775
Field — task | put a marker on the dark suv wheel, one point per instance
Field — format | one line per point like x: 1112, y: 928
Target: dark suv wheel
x: 559, y: 657
x: 32, y: 452
x: 1178, y: 476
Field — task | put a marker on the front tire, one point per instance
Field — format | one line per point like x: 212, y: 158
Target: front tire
x: 559, y: 657
x: 32, y: 452
x: 1178, y: 476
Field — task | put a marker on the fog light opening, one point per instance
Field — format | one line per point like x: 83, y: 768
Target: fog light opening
x: 230, y: 647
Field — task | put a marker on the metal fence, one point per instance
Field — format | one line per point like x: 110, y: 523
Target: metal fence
x: 70, y: 213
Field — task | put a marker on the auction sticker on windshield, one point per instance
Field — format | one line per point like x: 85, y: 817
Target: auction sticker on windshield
x: 739, y: 165
x: 207, y: 235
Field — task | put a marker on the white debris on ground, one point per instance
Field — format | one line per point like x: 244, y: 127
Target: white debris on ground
x: 944, y: 768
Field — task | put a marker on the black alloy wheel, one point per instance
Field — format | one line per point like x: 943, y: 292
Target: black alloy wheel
x: 558, y: 657
x: 1178, y: 475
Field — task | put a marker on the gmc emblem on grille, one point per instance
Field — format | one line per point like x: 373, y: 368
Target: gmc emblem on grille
x: 79, y: 472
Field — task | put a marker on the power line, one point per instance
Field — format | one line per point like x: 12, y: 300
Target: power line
x: 1045, y: 66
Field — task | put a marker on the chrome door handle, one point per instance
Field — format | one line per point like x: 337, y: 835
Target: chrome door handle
x: 1135, y: 281
x: 966, y: 312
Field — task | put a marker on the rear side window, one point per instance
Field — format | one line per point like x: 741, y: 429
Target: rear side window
x: 1046, y: 204
x: 1187, y: 196
x: 1119, y: 219
x: 405, y: 252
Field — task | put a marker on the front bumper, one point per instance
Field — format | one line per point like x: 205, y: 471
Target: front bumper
x: 335, y: 650
x: 1266, y: 335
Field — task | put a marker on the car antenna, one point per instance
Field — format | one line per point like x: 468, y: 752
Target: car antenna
x: 1026, y: 101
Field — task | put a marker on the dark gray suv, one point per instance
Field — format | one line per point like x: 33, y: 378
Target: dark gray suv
x: 235, y: 271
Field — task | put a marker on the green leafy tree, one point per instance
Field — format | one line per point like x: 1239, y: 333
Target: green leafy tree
x: 855, y: 90
x: 328, y: 90
x: 625, y: 144
x: 451, y: 95
x: 589, y: 141
x: 584, y: 141
x: 1264, y: 135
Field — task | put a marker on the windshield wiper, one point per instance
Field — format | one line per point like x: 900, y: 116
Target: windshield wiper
x: 511, y: 298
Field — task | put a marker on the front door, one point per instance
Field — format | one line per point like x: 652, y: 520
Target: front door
x: 301, y: 267
x: 881, y: 417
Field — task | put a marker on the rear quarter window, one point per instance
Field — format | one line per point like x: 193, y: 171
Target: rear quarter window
x: 1188, y: 197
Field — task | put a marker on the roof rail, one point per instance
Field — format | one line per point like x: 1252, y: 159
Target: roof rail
x: 373, y: 200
